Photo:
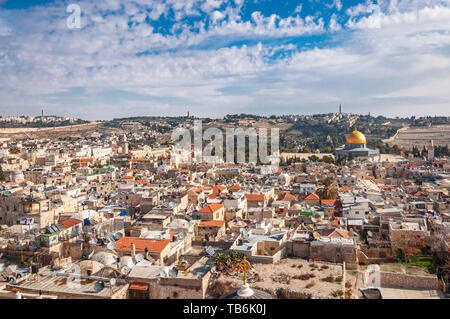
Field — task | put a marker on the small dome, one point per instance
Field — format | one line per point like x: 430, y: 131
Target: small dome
x: 356, y: 137
x: 105, y: 258
x: 127, y: 261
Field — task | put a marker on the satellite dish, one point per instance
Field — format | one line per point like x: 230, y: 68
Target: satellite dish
x: 139, y: 257
x: 172, y: 273
x: 111, y: 246
x: 117, y: 236
x: 164, y: 273
x: 125, y: 270
x: 113, y: 281
x: 111, y: 237
x: 99, y: 286
x: 91, y: 254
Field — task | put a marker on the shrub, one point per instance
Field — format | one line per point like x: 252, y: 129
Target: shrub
x: 304, y: 276
x: 324, y: 267
x: 236, y: 256
x: 348, y: 284
x: 329, y: 278
x: 338, y: 279
x: 348, y: 294
x: 337, y: 293
x: 311, y: 284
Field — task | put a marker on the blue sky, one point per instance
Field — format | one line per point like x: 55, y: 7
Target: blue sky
x: 218, y: 57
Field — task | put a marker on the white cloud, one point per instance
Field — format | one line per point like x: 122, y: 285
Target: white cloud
x: 391, y: 57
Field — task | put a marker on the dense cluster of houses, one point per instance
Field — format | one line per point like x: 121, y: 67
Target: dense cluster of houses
x: 139, y: 224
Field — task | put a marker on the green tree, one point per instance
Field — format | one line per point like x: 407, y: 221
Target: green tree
x: 221, y: 259
x: 14, y: 150
x: 401, y: 255
x: 236, y: 256
x: 327, y: 190
x: 2, y: 174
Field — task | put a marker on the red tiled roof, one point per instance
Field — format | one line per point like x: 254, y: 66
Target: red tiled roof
x: 143, y: 182
x: 345, y: 189
x: 69, y: 223
x: 328, y: 202
x: 218, y: 188
x: 255, y: 197
x: 138, y: 286
x: 211, y: 223
x: 131, y: 170
x: 153, y: 245
x: 211, y: 208
x: 287, y: 197
x: 140, y: 160
x: 235, y: 188
x: 312, y: 196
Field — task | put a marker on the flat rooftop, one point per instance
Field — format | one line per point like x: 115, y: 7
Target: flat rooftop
x: 49, y: 283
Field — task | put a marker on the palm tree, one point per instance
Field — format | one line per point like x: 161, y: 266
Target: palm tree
x: 327, y: 190
x: 221, y: 260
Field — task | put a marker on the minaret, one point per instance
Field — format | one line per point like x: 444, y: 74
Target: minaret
x: 340, y: 108
x: 42, y: 115
x: 430, y: 151
x: 124, y: 144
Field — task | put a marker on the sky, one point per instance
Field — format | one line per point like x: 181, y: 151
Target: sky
x: 218, y: 57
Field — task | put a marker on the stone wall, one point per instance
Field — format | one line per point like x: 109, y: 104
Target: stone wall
x: 268, y: 259
x: 222, y: 244
x: 73, y: 250
x: 396, y: 280
x: 404, y: 281
x: 298, y: 249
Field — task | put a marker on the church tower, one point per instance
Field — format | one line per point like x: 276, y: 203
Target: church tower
x: 430, y: 151
x: 124, y: 145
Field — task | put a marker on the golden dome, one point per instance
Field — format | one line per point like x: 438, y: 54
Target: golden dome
x: 356, y: 137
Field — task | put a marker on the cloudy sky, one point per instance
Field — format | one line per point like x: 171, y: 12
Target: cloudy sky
x: 218, y: 57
